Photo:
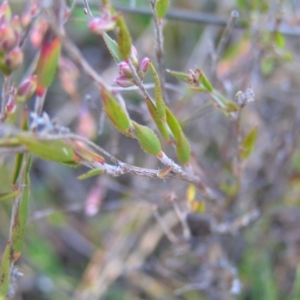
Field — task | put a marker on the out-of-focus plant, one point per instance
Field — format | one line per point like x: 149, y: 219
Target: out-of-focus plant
x: 27, y: 132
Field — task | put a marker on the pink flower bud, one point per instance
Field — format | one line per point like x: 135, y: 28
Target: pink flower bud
x: 123, y: 81
x: 16, y: 25
x: 38, y: 31
x: 124, y: 69
x: 134, y: 55
x: 5, y: 12
x: 14, y: 59
x: 27, y: 88
x: 7, y: 37
x: 10, y: 106
x: 99, y: 25
x: 143, y: 65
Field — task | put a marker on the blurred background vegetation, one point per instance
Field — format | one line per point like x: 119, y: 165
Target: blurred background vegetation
x: 121, y: 251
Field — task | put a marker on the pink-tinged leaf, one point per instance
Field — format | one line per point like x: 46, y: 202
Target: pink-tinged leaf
x: 162, y: 8
x: 5, y: 11
x: 148, y: 140
x: 124, y: 39
x: 48, y: 62
x: 116, y: 113
x: 5, y: 271
x: 159, y: 101
x: 249, y: 143
x: 83, y: 153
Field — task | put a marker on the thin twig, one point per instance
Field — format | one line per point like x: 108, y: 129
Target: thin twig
x: 203, y: 18
x: 159, y: 46
x: 169, y: 234
x: 224, y: 38
x: 87, y: 8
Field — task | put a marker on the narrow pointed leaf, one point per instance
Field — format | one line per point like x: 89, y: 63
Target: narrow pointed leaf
x: 5, y: 271
x: 183, y: 150
x: 86, y: 154
x: 181, y: 76
x: 198, y: 88
x: 124, y: 39
x: 112, y: 47
x: 191, y: 193
x: 54, y: 150
x: 220, y: 100
x: 249, y: 143
x: 160, y: 124
x: 17, y: 169
x: 173, y: 123
x: 164, y: 172
x: 18, y: 229
x: 159, y: 101
x: 115, y: 112
x: 231, y: 107
x: 162, y: 8
x: 48, y: 62
x: 91, y: 173
x: 148, y: 140
x: 206, y: 83
x: 9, y: 195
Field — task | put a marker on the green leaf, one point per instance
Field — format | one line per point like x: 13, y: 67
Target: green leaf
x: 148, y: 140
x: 279, y: 40
x: 116, y: 113
x: 112, y: 47
x: 18, y: 164
x: 54, y: 150
x: 249, y: 143
x: 160, y: 124
x: 5, y: 271
x: 91, y: 173
x: 48, y: 61
x: 206, y: 83
x: 18, y: 228
x: 159, y: 101
x: 231, y: 107
x: 173, y: 123
x: 9, y: 195
x: 220, y: 100
x: 181, y: 76
x: 162, y: 8
x: 198, y: 88
x: 124, y: 39
x: 183, y: 150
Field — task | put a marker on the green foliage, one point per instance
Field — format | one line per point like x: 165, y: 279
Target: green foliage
x: 162, y: 8
x: 148, y: 140
x: 112, y: 46
x: 249, y: 143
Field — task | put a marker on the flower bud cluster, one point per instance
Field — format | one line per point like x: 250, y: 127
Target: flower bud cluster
x: 11, y: 55
x: 126, y: 78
